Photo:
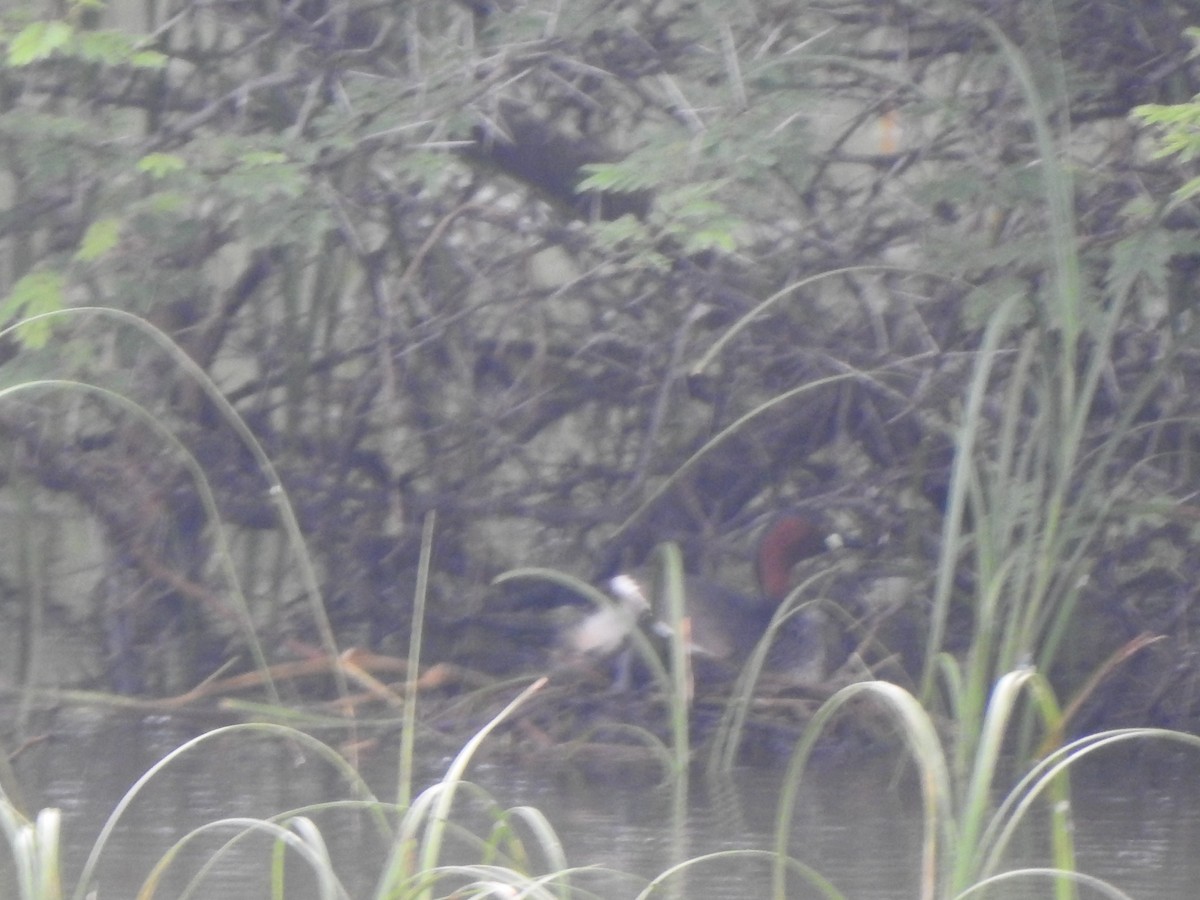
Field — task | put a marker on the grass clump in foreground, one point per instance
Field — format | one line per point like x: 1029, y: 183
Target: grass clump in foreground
x: 417, y: 837
x: 966, y: 835
x: 431, y: 848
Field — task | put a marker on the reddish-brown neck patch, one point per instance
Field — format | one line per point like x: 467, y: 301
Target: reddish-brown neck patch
x: 785, y: 542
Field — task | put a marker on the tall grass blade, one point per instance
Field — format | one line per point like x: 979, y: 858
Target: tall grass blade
x: 274, y: 490
x: 987, y: 765
x: 408, y: 729
x: 299, y: 835
x: 34, y: 848
x: 952, y: 527
x: 682, y: 470
x: 680, y: 697
x: 1058, y: 877
x: 407, y: 871
x: 679, y: 700
x: 1017, y: 804
x: 1059, y: 192
x: 939, y: 843
x: 319, y: 749
x: 727, y: 738
x: 811, y: 876
x: 208, y: 502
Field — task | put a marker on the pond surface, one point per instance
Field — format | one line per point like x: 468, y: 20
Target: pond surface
x: 1137, y: 815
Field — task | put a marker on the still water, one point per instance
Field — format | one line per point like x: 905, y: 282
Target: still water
x: 1137, y: 815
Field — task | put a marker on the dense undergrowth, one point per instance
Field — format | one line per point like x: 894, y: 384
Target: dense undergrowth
x: 997, y: 396
x: 821, y: 241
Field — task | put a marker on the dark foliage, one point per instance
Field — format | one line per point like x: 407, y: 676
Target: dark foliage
x: 466, y: 258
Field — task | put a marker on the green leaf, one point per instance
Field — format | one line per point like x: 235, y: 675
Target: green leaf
x: 700, y: 210
x: 105, y: 47
x: 622, y: 177
x: 37, y: 292
x: 37, y: 41
x: 630, y: 237
x: 100, y: 237
x: 165, y: 203
x: 148, y: 59
x: 158, y: 165
x: 263, y: 158
x: 1187, y: 190
x: 1180, y: 127
x: 711, y: 238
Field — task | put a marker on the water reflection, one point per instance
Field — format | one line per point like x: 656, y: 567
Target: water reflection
x: 849, y: 825
x: 1138, y: 815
